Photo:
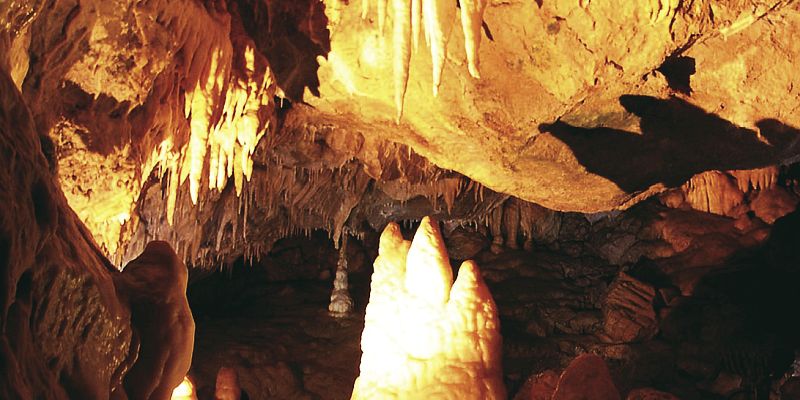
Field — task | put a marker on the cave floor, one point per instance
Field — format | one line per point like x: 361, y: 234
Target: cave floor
x: 284, y: 344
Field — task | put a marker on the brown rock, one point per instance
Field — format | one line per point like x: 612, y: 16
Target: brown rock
x: 227, y: 387
x: 586, y: 378
x: 628, y: 310
x: 650, y: 394
x: 790, y: 390
x: 539, y: 387
x: 773, y: 203
x: 464, y: 244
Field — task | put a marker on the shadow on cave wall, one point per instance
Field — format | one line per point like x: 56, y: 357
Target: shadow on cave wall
x: 290, y: 34
x: 678, y: 140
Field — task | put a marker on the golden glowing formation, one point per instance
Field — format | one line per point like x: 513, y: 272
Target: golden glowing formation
x: 425, y: 336
x: 184, y: 391
x: 437, y: 17
x: 224, y: 112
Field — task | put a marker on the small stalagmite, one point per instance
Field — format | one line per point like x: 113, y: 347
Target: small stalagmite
x: 426, y: 336
x: 341, y: 304
x: 184, y: 391
x: 227, y: 387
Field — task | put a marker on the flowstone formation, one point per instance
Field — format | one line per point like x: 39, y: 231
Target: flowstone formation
x: 426, y: 336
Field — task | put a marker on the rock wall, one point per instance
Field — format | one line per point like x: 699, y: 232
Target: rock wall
x: 63, y: 333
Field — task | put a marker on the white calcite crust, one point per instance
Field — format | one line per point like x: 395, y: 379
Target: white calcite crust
x: 424, y: 335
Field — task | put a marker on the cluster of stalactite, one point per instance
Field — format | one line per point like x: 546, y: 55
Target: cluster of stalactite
x: 228, y: 109
x: 434, y: 19
x: 720, y: 192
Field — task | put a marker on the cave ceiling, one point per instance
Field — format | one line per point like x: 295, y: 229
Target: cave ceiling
x: 165, y: 114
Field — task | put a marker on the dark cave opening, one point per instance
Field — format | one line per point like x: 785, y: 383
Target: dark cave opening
x: 269, y: 320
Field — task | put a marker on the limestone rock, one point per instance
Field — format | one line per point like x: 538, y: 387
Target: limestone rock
x: 155, y: 285
x: 628, y: 310
x: 227, y: 386
x: 586, y: 377
x: 65, y: 333
x: 650, y: 394
x: 464, y: 244
x: 539, y: 387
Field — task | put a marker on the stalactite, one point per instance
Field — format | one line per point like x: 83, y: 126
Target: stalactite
x: 416, y: 22
x: 382, y: 14
x: 471, y: 22
x: 495, y: 222
x: 402, y: 52
x: 438, y: 16
x: 713, y: 192
x: 511, y: 222
x: 756, y: 179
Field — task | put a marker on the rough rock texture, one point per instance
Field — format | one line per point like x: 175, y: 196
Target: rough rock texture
x: 628, y: 312
x: 185, y: 92
x: 539, y: 387
x: 720, y: 316
x: 63, y: 331
x: 586, y: 377
x: 649, y: 394
x: 154, y: 284
x: 602, y: 65
x: 223, y: 126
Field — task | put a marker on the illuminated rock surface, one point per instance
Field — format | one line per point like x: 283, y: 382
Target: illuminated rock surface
x: 184, y: 92
x: 64, y: 332
x: 425, y: 335
x: 226, y: 127
x: 227, y: 386
x: 184, y: 391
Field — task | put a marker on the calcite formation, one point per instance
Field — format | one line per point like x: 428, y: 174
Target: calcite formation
x: 195, y: 111
x: 426, y: 336
x: 154, y: 284
x: 221, y: 127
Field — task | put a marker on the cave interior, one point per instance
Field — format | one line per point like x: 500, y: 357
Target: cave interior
x: 415, y: 199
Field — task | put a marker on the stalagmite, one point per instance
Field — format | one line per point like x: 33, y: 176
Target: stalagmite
x: 155, y: 285
x: 496, y: 228
x: 184, y: 391
x: 471, y: 22
x: 341, y: 303
x: 227, y: 385
x: 425, y: 336
x: 402, y: 52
